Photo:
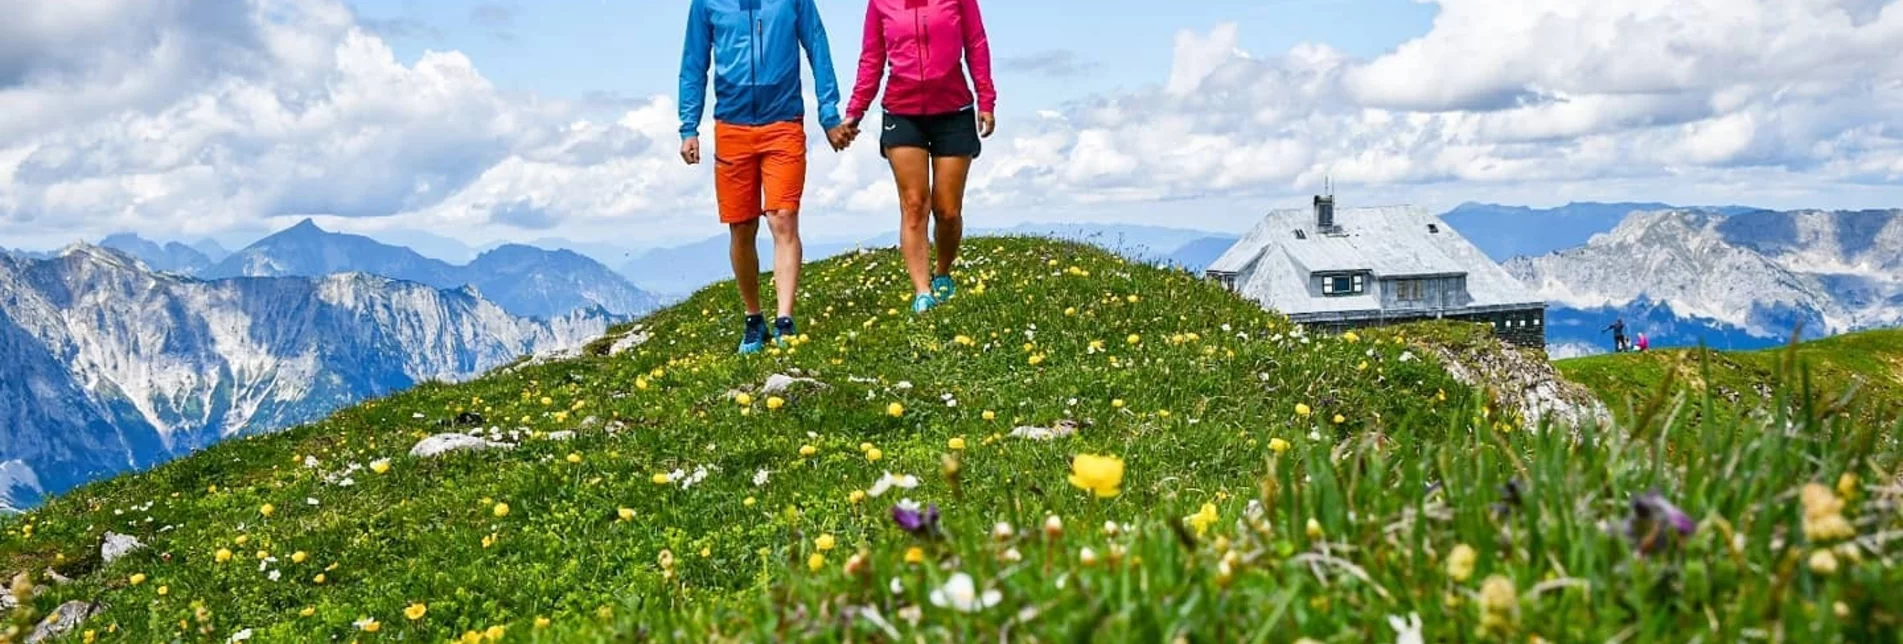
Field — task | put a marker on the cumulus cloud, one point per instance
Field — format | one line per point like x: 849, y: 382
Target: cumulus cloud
x: 1530, y: 91
x: 198, y: 116
x: 1052, y: 63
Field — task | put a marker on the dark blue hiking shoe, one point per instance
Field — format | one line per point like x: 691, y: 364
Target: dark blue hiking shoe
x: 784, y: 331
x: 943, y: 288
x: 923, y: 302
x: 754, y: 339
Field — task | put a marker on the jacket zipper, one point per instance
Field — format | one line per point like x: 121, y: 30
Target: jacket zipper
x: 918, y: 26
x: 753, y: 69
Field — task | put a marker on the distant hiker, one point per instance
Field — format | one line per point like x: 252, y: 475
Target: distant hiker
x: 1618, y: 335
x: 754, y: 48
x: 1643, y: 343
x: 933, y: 122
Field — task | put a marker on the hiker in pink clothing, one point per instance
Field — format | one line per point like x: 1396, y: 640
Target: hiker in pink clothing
x: 933, y: 122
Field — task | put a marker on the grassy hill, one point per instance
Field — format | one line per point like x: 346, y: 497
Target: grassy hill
x: 1861, y: 372
x: 1262, y: 485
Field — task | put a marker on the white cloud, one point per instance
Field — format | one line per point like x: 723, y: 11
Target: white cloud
x: 193, y: 117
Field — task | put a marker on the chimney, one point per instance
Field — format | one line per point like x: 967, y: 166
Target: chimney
x: 1325, y: 213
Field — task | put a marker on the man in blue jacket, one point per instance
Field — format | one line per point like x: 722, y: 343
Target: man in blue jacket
x: 759, y: 133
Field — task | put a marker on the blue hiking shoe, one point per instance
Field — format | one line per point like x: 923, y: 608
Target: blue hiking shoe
x: 784, y: 331
x: 923, y: 302
x: 754, y: 339
x: 943, y: 288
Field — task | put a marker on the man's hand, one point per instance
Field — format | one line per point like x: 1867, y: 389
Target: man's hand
x: 690, y: 150
x: 987, y: 123
x: 841, y: 136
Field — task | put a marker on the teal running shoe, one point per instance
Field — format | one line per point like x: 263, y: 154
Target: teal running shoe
x: 943, y: 288
x: 923, y: 302
x: 753, y: 340
x: 784, y: 331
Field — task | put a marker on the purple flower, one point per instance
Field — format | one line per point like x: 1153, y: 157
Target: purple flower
x: 911, y: 518
x: 1653, y: 518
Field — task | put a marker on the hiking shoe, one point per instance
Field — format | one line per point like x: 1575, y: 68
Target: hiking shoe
x: 943, y: 287
x: 783, y: 330
x: 754, y: 339
x: 923, y: 302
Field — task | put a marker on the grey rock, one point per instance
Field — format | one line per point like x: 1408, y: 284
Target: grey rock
x: 64, y: 620
x: 780, y: 383
x: 118, y: 545
x: 445, y: 443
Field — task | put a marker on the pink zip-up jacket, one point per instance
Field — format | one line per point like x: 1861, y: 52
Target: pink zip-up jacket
x: 927, y: 44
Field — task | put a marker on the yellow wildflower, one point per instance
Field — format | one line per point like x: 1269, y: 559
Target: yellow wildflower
x: 307, y: 612
x: 895, y: 410
x: 661, y: 478
x: 1460, y: 562
x: 1351, y: 337
x: 541, y: 622
x: 1116, y: 403
x: 1823, y: 562
x: 1499, y: 603
x: 267, y: 510
x: 857, y: 496
x: 1847, y: 485
x: 1202, y: 519
x: 1339, y: 419
x: 825, y: 542
x: 1278, y: 445
x: 1302, y: 409
x: 990, y: 415
x: 164, y: 590
x: 1314, y: 528
x: 319, y: 579
x: 808, y: 450
x: 775, y: 402
x: 1102, y: 475
x: 743, y: 400
x: 874, y: 454
x: 380, y: 466
x: 914, y: 555
x: 501, y: 510
x: 299, y: 556
x: 1823, y: 515
x: 369, y: 625
x: 956, y: 443
x: 574, y: 457
x: 625, y: 514
x: 415, y: 611
x: 137, y: 578
x: 1134, y: 339
x: 223, y: 555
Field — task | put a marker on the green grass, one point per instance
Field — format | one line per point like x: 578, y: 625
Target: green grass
x: 1865, y: 366
x: 1199, y: 393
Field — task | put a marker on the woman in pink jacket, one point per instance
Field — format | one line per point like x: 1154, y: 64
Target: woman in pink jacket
x: 933, y: 122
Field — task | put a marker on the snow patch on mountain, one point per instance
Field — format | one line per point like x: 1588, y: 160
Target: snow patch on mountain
x: 19, y: 486
x: 113, y: 366
x: 1765, y: 272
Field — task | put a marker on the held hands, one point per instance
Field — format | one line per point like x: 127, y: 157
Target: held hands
x: 842, y: 135
x: 690, y: 150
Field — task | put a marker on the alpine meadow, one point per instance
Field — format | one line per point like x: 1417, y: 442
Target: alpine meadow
x: 1097, y: 450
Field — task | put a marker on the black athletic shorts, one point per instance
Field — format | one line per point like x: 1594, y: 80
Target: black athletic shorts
x: 943, y: 135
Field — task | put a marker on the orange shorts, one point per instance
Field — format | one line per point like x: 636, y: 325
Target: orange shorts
x: 755, y: 160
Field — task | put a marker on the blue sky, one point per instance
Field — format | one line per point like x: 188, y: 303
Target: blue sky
x: 631, y: 48
x: 510, y: 120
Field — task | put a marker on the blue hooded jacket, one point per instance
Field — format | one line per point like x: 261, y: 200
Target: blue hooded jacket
x: 754, y: 48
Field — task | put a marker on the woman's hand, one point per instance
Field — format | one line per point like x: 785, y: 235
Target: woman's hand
x: 987, y: 122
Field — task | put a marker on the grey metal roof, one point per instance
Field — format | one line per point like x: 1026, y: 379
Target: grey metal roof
x: 1272, y: 263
